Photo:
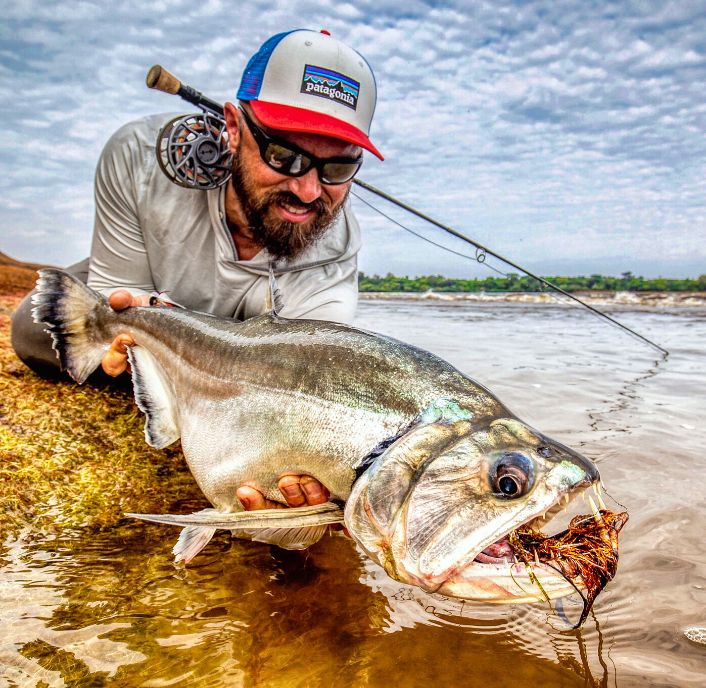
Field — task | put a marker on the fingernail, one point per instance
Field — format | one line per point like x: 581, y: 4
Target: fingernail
x: 312, y: 489
x: 290, y: 490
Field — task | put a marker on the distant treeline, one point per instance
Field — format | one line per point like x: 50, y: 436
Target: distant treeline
x: 515, y: 282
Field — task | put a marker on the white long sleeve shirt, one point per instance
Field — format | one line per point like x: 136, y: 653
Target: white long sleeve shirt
x: 152, y: 235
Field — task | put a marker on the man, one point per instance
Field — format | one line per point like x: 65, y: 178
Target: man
x: 306, y: 101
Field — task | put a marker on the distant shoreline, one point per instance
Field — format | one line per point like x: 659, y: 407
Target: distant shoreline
x: 594, y: 298
x: 18, y: 278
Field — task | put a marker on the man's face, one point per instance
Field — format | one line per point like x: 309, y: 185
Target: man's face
x: 287, y: 214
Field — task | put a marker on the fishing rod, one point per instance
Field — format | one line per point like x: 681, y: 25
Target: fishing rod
x: 485, y: 250
x: 193, y: 152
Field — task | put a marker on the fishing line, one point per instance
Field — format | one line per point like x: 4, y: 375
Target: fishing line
x: 479, y: 257
x: 486, y: 251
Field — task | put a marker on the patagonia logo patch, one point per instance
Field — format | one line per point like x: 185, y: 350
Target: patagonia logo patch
x: 326, y: 83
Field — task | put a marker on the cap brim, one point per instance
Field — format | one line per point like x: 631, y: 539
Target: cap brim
x: 288, y: 118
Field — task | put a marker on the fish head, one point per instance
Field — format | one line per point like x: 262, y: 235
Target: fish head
x: 436, y: 508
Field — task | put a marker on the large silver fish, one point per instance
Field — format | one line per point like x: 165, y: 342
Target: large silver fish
x: 433, y: 470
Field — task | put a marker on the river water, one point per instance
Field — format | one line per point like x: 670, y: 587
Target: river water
x: 111, y: 609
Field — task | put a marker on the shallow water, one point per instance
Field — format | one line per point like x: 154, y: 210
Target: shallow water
x: 112, y: 610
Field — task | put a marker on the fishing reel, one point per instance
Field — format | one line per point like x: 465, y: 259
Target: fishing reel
x: 192, y: 150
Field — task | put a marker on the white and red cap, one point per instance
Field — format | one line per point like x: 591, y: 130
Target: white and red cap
x: 307, y: 81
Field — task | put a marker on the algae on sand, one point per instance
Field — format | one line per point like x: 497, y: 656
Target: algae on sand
x: 75, y: 456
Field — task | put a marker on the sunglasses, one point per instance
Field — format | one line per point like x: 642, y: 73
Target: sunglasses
x: 288, y: 159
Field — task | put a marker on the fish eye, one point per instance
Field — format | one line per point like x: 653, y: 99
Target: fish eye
x: 512, y: 475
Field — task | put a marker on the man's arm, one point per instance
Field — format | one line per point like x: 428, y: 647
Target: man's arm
x: 118, y: 254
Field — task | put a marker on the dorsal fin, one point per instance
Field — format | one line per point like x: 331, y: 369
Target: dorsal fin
x: 274, y: 301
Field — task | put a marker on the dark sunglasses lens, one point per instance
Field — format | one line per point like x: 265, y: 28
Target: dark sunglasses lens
x: 338, y: 172
x: 285, y: 160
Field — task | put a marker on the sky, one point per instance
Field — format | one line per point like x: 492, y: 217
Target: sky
x: 567, y: 136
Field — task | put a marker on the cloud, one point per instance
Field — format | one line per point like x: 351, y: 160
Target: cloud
x: 566, y: 134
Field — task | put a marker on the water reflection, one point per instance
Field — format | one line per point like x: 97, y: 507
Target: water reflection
x: 113, y: 610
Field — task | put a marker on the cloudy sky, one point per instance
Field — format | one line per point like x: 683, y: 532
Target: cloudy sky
x: 569, y: 136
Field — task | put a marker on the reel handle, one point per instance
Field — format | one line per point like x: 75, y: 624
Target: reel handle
x: 162, y: 80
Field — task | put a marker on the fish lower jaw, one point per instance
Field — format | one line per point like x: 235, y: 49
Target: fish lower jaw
x: 507, y: 583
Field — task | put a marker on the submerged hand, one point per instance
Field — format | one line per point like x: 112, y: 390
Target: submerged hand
x: 297, y: 490
x: 115, y: 360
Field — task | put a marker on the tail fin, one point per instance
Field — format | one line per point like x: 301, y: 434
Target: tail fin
x: 68, y: 308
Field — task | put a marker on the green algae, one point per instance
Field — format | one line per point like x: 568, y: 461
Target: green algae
x: 75, y: 456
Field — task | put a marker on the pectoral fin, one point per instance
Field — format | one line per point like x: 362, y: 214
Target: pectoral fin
x: 294, y: 517
x: 293, y: 528
x: 154, y: 398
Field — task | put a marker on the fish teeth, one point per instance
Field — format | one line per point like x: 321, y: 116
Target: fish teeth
x: 594, y: 508
x: 597, y: 490
x: 536, y: 557
x: 596, y: 514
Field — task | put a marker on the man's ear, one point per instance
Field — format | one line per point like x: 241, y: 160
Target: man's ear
x: 233, y: 126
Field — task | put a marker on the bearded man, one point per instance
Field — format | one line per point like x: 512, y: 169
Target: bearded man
x: 297, y: 136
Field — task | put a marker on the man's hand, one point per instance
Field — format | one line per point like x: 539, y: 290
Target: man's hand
x: 115, y: 360
x: 297, y: 489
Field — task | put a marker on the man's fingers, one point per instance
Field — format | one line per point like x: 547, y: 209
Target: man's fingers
x: 299, y: 490
x: 291, y: 490
x: 315, y: 492
x: 115, y: 360
x: 121, y: 299
x: 252, y: 499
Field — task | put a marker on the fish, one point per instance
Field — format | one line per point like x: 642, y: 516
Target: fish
x: 428, y: 471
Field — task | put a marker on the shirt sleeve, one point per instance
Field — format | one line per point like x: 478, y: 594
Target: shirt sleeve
x: 329, y: 292
x: 118, y: 254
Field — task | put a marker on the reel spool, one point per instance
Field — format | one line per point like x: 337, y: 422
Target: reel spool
x: 192, y: 150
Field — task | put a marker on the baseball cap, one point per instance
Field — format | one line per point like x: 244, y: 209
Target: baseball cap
x: 308, y: 81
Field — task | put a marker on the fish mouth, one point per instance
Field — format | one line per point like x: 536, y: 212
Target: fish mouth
x: 502, y: 552
x: 496, y: 574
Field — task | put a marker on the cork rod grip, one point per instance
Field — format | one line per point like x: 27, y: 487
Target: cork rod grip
x: 162, y: 80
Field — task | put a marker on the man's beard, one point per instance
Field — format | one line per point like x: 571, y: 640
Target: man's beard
x: 281, y: 238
